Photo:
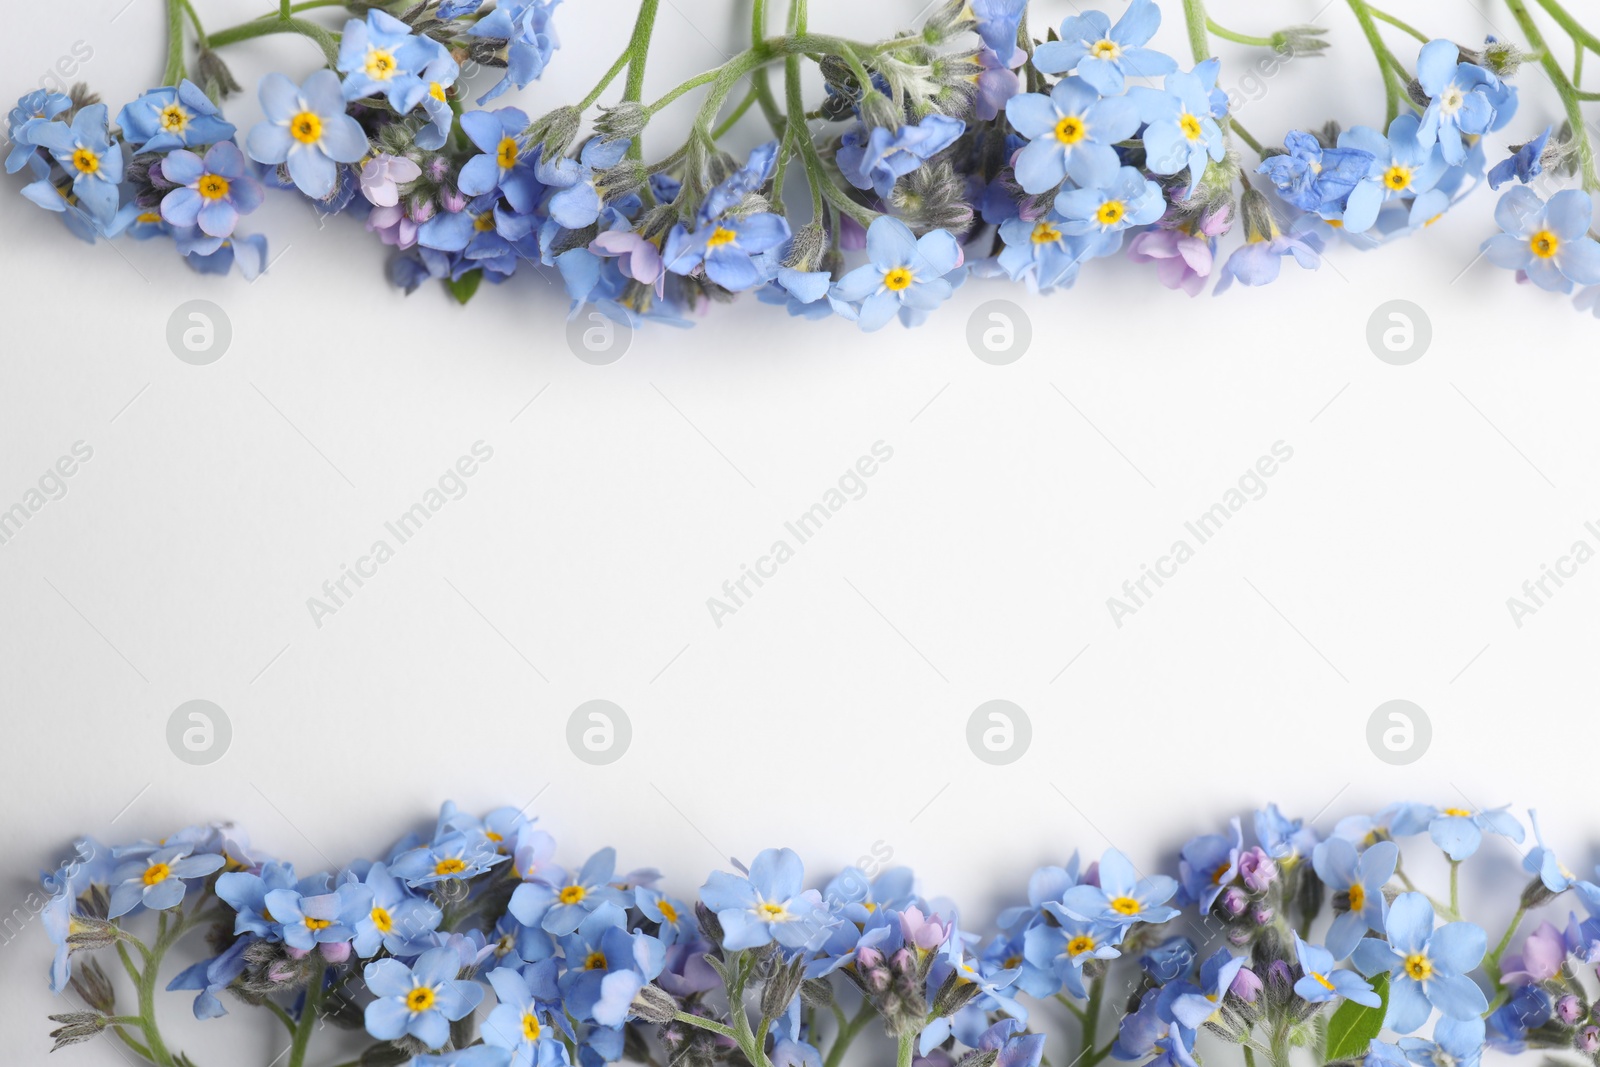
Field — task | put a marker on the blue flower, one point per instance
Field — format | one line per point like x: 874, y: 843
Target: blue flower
x: 1103, y: 212
x: 1208, y: 864
x: 1040, y: 252
x: 675, y: 920
x: 382, y: 57
x: 1104, y: 55
x: 168, y: 118
x: 1550, y: 242
x: 32, y: 111
x: 907, y: 275
x: 1401, y: 165
x: 606, y: 966
x: 156, y: 879
x: 1541, y: 861
x: 421, y: 1000
x: 1465, y: 99
x: 211, y: 977
x: 1122, y: 897
x: 560, y: 909
x: 1070, y: 132
x: 1151, y: 1030
x: 212, y: 192
x: 1181, y: 131
x: 93, y: 865
x: 306, y: 127
x: 1282, y: 837
x: 323, y: 919
x: 1058, y: 952
x: 1458, y: 1042
x: 578, y: 202
x: 1321, y: 982
x: 1459, y: 831
x: 455, y: 855
x: 1524, y: 164
x: 525, y: 27
x: 86, y: 153
x: 506, y: 163
x: 1193, y: 1005
x: 395, y: 920
x: 998, y: 23
x: 1361, y: 880
x: 1427, y: 967
x: 725, y: 247
x: 877, y: 161
x: 523, y: 1021
x: 1311, y: 177
x: 768, y: 904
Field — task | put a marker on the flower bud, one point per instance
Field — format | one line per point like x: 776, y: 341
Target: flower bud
x: 1569, y: 1009
x: 652, y: 1004
x: 1233, y: 901
x: 626, y: 120
x: 1246, y: 985
x: 1586, y: 1040
x: 76, y: 1026
x: 90, y: 982
x: 214, y: 76
x: 554, y: 131
x: 1257, y: 870
x: 1262, y: 915
x: 1292, y: 41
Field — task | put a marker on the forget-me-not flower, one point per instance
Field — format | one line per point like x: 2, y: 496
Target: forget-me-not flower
x: 1104, y: 55
x: 306, y: 128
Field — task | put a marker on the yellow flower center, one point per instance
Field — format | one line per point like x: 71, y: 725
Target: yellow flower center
x: 668, y: 912
x: 149, y: 216
x: 382, y: 920
x: 1323, y: 980
x: 1080, y: 944
x: 174, y: 118
x: 1105, y: 49
x: 530, y: 1027
x: 381, y: 65
x: 721, y: 236
x: 572, y: 894
x: 86, y: 161
x: 772, y: 912
x: 507, y: 154
x: 1220, y: 873
x: 1419, y: 966
x: 894, y: 280
x: 1358, y: 897
x: 1111, y: 212
x: 420, y: 998
x: 317, y: 924
x: 306, y: 127
x: 484, y: 223
x: 213, y: 186
x: 1544, y: 245
x: 1125, y: 906
x: 436, y: 91
x: 1397, y: 178
x: 1460, y: 813
x: 1044, y: 234
x: 1070, y: 130
x: 595, y: 961
x: 450, y: 865
x: 156, y: 873
x: 1190, y: 126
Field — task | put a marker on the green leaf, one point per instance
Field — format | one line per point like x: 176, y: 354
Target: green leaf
x: 1353, y: 1026
x: 466, y: 286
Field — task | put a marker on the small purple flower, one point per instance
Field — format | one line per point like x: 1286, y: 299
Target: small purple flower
x: 212, y: 192
x: 1257, y: 870
x: 382, y: 176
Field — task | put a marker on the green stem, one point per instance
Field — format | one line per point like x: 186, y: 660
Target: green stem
x: 705, y: 1024
x: 285, y: 10
x: 1393, y: 87
x: 1237, y: 38
x: 605, y: 82
x: 1249, y: 1056
x: 194, y: 20
x: 847, y: 1033
x: 1194, y: 13
x: 1491, y: 962
x: 903, y: 1053
x: 308, y: 1018
x: 638, y: 51
x: 1455, y: 888
x: 174, y: 71
x: 1574, y: 28
x: 1558, y: 77
x: 1246, y: 137
x: 736, y: 114
x: 1384, y: 16
x: 795, y: 102
x: 328, y: 42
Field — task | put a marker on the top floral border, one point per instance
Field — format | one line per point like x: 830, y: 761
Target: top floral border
x: 965, y: 146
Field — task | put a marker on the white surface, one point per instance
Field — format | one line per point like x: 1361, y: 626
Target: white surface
x: 828, y: 714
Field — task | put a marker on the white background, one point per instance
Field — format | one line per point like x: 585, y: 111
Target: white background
x: 830, y: 712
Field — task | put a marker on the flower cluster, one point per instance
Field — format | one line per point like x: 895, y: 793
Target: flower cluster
x: 471, y: 946
x: 967, y: 146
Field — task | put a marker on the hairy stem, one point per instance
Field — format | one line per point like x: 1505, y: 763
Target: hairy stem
x: 1388, y: 65
x: 638, y: 51
x: 1194, y: 14
x: 174, y: 70
x: 309, y: 1013
x: 1237, y: 38
x: 1574, y: 28
x: 1564, y: 87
